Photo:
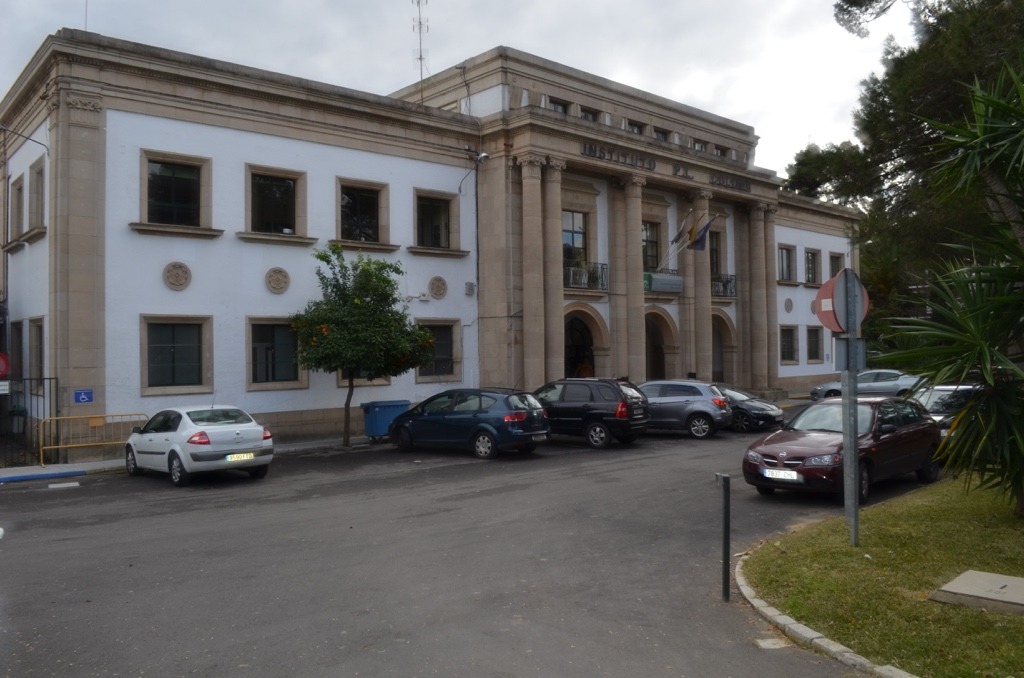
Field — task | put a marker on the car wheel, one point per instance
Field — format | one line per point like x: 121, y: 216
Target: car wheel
x: 598, y: 435
x: 765, y: 490
x: 257, y: 472
x: 742, y: 422
x: 403, y: 439
x: 179, y: 475
x: 930, y: 472
x: 700, y: 426
x: 484, y: 446
x: 832, y: 394
x: 864, y: 485
x: 130, y: 463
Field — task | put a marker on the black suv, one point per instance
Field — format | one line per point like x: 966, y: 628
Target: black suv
x: 596, y: 408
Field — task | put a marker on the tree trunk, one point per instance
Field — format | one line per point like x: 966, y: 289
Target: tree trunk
x: 346, y: 435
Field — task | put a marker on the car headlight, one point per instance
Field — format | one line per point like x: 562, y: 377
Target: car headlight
x: 753, y: 457
x: 824, y: 460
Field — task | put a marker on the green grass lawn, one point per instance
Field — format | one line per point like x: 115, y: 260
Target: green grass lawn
x: 874, y: 598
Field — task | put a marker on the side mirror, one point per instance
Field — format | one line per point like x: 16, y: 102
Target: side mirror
x: 886, y: 429
x: 136, y: 429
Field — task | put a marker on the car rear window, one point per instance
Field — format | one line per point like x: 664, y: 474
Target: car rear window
x: 524, y: 401
x: 631, y: 391
x: 218, y: 416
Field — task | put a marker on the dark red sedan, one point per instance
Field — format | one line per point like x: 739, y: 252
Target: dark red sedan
x: 895, y: 436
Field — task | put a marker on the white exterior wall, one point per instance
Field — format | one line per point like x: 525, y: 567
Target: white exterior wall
x: 802, y: 295
x: 228, y: 274
x: 27, y: 272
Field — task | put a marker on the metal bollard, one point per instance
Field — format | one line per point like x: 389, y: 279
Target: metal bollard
x: 722, y: 480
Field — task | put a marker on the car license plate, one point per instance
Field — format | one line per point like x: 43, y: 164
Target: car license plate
x: 540, y: 436
x: 780, y: 475
x: 241, y: 456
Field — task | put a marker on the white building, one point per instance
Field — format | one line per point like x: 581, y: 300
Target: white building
x: 161, y: 210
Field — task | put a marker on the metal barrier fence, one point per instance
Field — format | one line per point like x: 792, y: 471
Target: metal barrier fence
x: 63, y: 433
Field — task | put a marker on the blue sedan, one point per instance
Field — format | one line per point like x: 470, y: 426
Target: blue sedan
x: 484, y: 421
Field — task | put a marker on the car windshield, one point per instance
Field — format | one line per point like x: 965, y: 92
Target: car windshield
x: 218, y: 415
x: 828, y: 416
x: 944, y: 401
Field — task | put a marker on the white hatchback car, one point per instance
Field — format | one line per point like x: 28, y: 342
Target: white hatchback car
x: 182, y: 441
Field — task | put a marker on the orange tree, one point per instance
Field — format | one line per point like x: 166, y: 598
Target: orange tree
x: 360, y: 327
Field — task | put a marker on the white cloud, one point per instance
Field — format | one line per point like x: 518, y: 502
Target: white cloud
x: 786, y: 68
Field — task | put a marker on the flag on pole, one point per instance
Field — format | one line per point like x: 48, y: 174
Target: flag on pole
x: 699, y: 238
x: 682, y: 229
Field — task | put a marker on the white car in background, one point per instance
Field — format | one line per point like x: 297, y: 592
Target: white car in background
x: 871, y: 382
x: 182, y: 441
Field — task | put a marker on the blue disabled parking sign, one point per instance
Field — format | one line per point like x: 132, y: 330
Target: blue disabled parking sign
x: 83, y: 395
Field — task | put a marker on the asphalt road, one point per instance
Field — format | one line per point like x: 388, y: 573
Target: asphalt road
x: 568, y: 563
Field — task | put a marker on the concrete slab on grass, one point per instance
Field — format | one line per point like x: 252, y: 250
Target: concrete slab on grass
x: 996, y: 592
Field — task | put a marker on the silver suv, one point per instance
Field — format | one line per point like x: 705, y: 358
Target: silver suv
x: 687, y: 405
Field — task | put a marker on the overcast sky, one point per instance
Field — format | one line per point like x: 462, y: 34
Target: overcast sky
x: 784, y: 66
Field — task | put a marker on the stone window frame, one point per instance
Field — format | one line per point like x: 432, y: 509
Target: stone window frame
x: 383, y: 243
x: 205, y: 228
x: 300, y: 219
x: 302, y: 380
x: 17, y: 209
x: 454, y: 230
x: 812, y: 274
x: 793, y: 356
x: 815, y: 338
x: 206, y: 338
x: 37, y: 196
x: 457, y: 351
x: 786, y: 274
x: 37, y: 353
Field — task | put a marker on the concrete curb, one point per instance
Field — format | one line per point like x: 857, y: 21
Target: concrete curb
x: 808, y: 637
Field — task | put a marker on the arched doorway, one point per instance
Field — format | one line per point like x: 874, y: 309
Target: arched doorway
x: 579, y: 349
x: 655, y: 350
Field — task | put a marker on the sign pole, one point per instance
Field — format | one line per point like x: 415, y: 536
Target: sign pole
x: 852, y: 291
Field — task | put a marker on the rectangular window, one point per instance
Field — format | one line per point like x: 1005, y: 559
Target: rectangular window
x: 175, y: 354
x: 360, y: 214
x: 558, y: 106
x: 574, y: 238
x: 274, y: 348
x: 651, y: 252
x: 443, y: 361
x: 273, y: 204
x: 715, y: 252
x: 814, y: 348
x: 588, y: 114
x: 174, y: 191
x: 835, y: 264
x: 700, y: 146
x: 720, y: 151
x: 17, y: 207
x: 661, y: 134
x: 37, y: 196
x: 812, y: 265
x: 635, y: 127
x: 787, y: 345
x: 433, y: 221
x: 786, y: 254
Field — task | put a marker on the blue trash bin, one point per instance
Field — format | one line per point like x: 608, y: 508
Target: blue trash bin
x: 378, y: 414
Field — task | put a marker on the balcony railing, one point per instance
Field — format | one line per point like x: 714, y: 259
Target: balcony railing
x: 723, y: 285
x: 585, y: 276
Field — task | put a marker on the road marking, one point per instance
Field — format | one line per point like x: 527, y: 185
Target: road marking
x: 61, y: 486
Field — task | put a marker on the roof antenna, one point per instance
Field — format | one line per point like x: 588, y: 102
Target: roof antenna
x: 420, y: 26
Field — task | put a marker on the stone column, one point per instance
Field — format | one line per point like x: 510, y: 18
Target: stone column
x: 617, y: 278
x: 771, y: 287
x: 702, y: 335
x: 554, y: 292
x: 684, y: 264
x: 759, y: 328
x: 533, y: 272
x: 636, y: 329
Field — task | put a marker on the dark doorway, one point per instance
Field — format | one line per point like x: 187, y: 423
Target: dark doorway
x: 655, y: 350
x: 579, y: 349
